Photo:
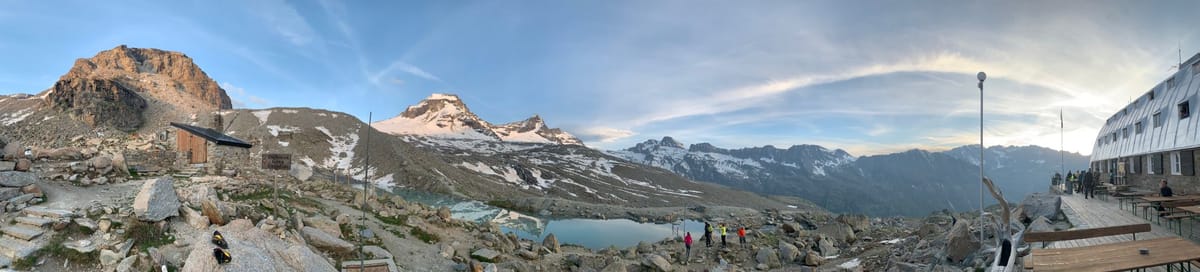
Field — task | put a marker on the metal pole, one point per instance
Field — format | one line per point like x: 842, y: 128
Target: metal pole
x: 981, y: 77
x: 362, y: 258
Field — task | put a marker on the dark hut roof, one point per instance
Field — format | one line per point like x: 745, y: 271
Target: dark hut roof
x: 213, y: 135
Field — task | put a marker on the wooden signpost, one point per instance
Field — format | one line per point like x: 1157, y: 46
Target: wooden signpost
x: 276, y: 161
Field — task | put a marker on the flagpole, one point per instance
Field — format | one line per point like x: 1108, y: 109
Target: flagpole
x: 981, y: 76
x: 1062, y: 146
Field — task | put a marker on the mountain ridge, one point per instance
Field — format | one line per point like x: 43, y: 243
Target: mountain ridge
x: 912, y: 182
x: 447, y: 116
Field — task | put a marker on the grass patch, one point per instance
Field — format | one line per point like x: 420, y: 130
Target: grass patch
x: 399, y: 220
x: 424, y: 236
x: 146, y: 235
x: 56, y: 249
x: 261, y: 194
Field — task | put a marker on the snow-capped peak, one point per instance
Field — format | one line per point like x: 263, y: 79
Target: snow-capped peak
x: 446, y: 116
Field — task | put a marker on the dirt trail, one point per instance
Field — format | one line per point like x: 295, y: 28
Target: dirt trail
x: 63, y: 195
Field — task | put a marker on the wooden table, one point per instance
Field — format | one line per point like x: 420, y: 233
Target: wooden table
x: 1116, y: 256
x: 1169, y: 198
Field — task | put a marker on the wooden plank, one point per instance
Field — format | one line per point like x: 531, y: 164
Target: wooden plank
x: 1116, y: 257
x: 1085, y: 233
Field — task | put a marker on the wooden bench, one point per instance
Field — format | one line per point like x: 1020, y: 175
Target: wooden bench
x: 1053, y: 236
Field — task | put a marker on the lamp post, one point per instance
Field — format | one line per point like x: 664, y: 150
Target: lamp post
x: 981, y: 76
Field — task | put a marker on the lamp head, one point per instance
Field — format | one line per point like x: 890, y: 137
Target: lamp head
x: 982, y: 76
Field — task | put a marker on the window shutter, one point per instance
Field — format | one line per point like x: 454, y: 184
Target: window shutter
x: 1186, y: 164
x: 1157, y: 163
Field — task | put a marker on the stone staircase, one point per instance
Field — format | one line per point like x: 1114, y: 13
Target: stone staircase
x: 19, y: 240
x: 190, y: 171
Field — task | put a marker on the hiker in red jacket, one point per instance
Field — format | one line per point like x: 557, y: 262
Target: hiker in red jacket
x: 742, y: 236
x: 687, y: 244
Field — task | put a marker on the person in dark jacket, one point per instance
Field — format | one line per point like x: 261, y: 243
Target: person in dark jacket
x: 1163, y: 190
x: 1088, y: 183
x: 708, y: 230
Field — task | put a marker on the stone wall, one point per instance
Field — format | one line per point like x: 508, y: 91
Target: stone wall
x: 228, y: 157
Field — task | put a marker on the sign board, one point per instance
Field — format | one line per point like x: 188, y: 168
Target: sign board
x: 277, y: 161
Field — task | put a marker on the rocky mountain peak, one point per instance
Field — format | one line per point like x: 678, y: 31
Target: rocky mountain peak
x: 668, y: 141
x: 125, y: 87
x: 174, y: 69
x: 447, y: 116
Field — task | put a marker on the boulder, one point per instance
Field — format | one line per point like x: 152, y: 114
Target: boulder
x: 643, y: 247
x: 838, y: 231
x: 301, y: 172
x: 157, y: 200
x: 656, y: 263
x: 528, y: 255
x: 7, y: 165
x: 33, y: 189
x: 253, y: 250
x: 13, y: 151
x: 827, y: 246
x: 118, y: 164
x: 486, y: 254
x: 1041, y: 224
x: 101, y: 162
x: 444, y: 214
x: 23, y: 165
x: 1037, y: 204
x: 210, y: 208
x: 17, y: 179
x: 858, y: 223
x: 323, y: 240
x: 551, y: 242
x: 960, y: 242
x: 325, y: 224
x: 194, y: 218
x: 197, y: 194
x: 788, y: 253
x: 811, y: 258
x: 126, y: 265
x: 768, y: 257
x: 790, y: 228
x: 77, y: 167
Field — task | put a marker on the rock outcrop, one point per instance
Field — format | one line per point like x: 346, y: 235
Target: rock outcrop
x: 253, y: 249
x: 98, y: 102
x: 182, y: 74
x: 157, y: 200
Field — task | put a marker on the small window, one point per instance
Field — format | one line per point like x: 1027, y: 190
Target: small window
x: 1137, y: 127
x: 1125, y: 133
x: 1171, y: 82
x: 1175, y: 167
x: 1196, y: 67
x: 1114, y: 137
x: 1184, y: 110
x: 1157, y: 119
x: 1150, y: 94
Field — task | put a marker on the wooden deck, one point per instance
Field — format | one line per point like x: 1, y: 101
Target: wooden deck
x: 1092, y: 213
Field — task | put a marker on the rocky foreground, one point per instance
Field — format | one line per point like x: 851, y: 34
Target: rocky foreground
x: 82, y: 210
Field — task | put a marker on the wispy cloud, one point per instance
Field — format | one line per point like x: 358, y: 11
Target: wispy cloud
x: 603, y: 134
x: 285, y: 20
x: 242, y: 98
x: 401, y: 66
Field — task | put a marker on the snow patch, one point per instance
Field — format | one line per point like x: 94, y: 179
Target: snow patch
x: 385, y: 182
x: 15, y: 117
x: 290, y: 111
x: 263, y: 116
x: 442, y: 97
x: 284, y: 144
x: 892, y: 241
x: 852, y: 264
x: 274, y: 130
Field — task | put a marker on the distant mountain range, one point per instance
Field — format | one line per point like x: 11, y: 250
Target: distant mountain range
x: 913, y: 182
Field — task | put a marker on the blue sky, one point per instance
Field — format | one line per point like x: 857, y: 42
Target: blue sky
x: 866, y: 76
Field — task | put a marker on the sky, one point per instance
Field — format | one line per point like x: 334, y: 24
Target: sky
x: 870, y: 77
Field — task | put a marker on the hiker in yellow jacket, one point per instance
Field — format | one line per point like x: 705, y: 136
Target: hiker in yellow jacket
x: 723, y: 232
